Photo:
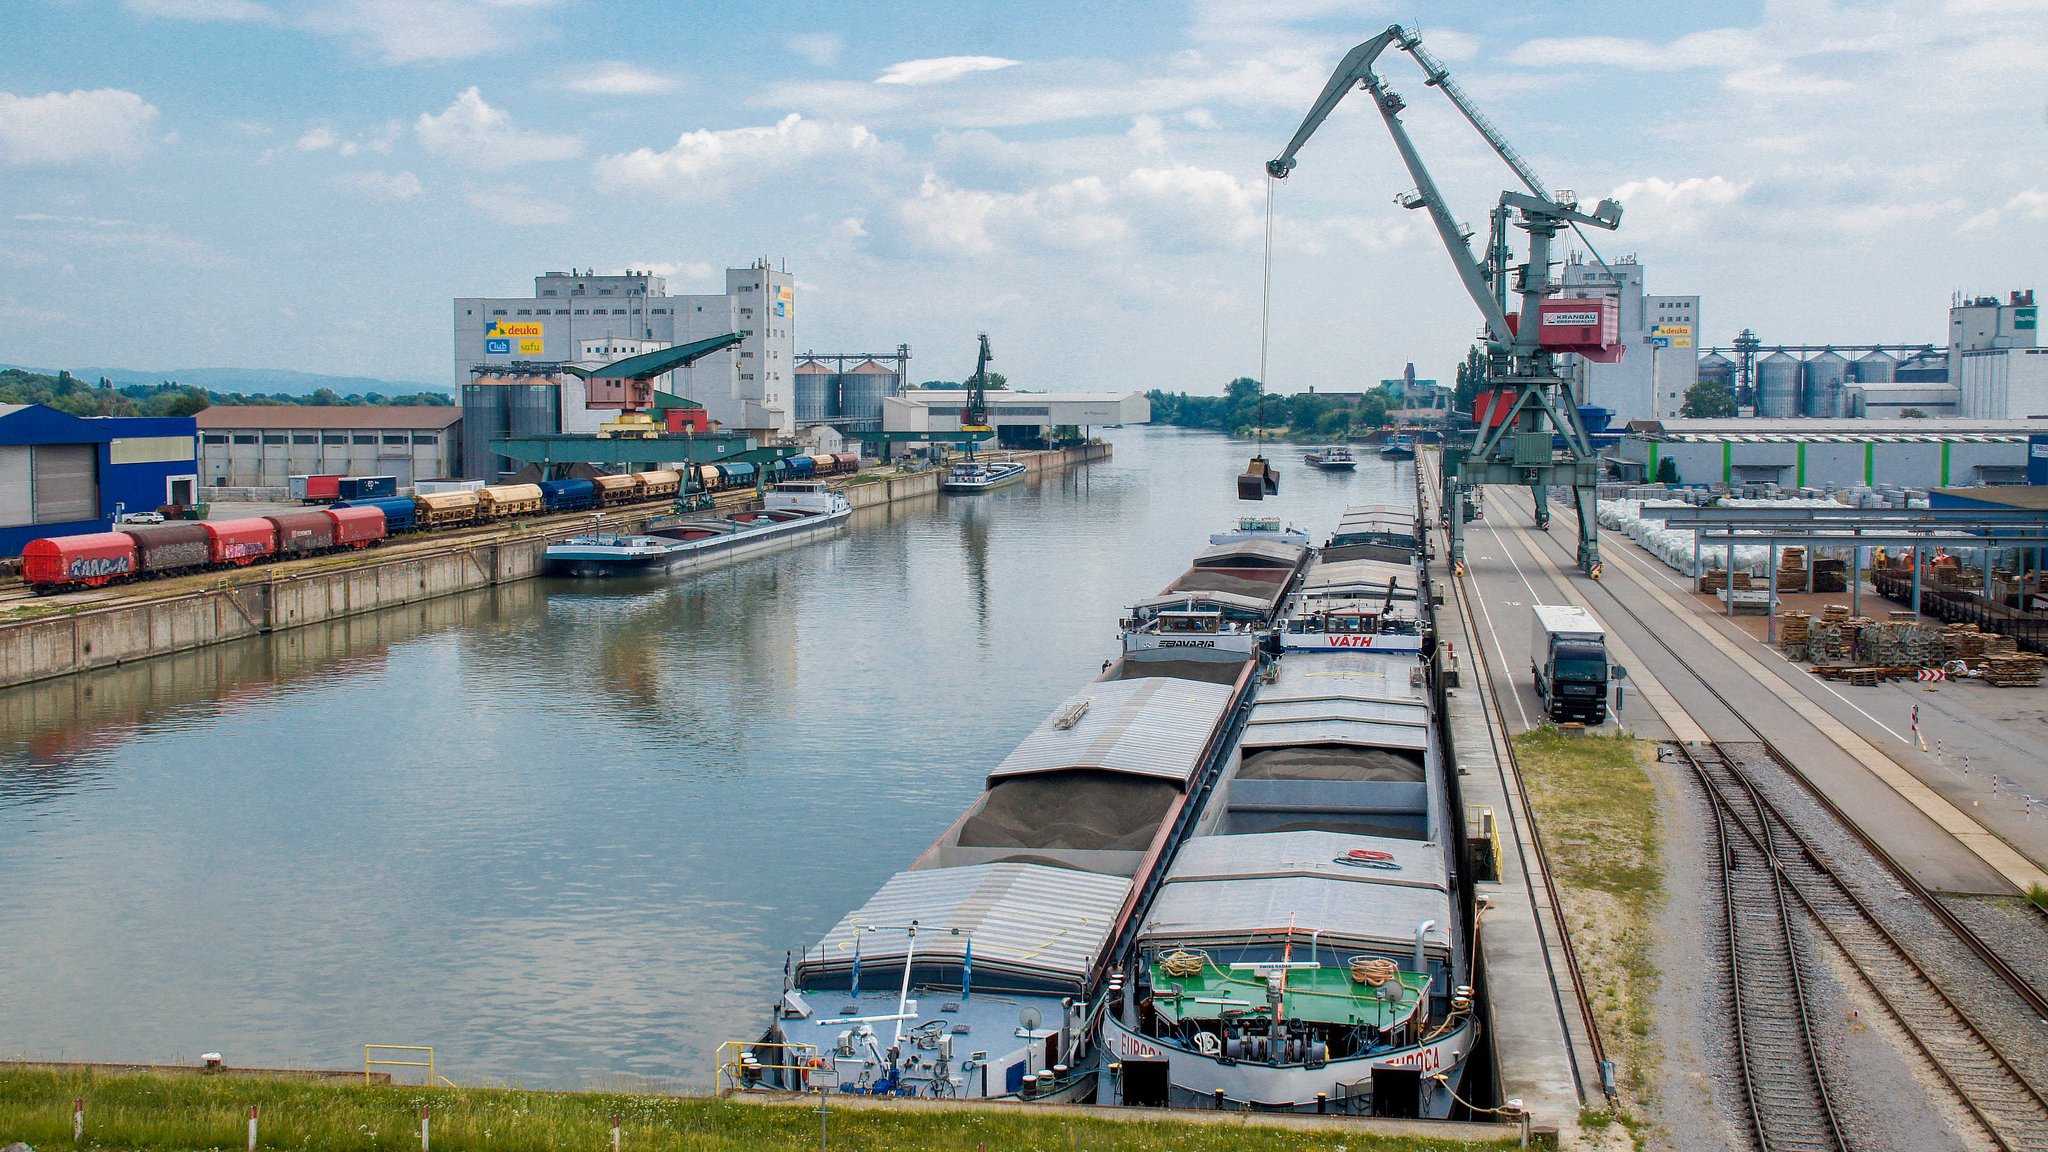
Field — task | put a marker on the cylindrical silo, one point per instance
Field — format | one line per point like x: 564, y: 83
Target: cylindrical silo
x: 1822, y: 393
x: 1875, y: 367
x: 814, y: 393
x: 1716, y: 367
x: 862, y: 390
x: 1777, y: 386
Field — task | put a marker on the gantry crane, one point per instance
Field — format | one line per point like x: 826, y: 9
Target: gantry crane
x: 974, y: 417
x: 1517, y: 444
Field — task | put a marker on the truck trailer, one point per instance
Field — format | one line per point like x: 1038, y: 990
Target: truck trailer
x: 1568, y: 655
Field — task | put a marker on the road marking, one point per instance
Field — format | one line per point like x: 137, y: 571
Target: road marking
x: 1677, y: 719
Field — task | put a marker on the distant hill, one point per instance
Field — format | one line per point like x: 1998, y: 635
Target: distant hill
x: 248, y: 380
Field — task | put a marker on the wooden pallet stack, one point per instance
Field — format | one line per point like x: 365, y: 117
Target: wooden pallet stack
x: 1793, y: 633
x: 1830, y: 576
x: 1792, y: 569
x: 1962, y: 642
x: 1715, y: 580
x: 2019, y: 670
x: 1834, y: 613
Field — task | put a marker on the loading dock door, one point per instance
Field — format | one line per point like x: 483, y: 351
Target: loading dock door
x: 16, y: 506
x: 66, y: 482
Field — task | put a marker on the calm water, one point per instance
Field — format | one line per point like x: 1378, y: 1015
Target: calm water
x: 563, y: 833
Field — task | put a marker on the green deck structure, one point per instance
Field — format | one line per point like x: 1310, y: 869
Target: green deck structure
x: 1325, y: 995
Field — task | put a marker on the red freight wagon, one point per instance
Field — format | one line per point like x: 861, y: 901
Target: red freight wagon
x: 316, y: 489
x: 299, y: 533
x: 356, y: 527
x: 89, y: 560
x: 178, y: 546
x: 240, y: 541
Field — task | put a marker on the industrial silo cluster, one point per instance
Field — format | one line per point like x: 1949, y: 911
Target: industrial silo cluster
x: 850, y: 398
x: 1790, y: 385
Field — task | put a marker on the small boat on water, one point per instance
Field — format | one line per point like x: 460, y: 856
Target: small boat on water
x: 1401, y: 447
x: 1331, y: 458
x: 981, y: 475
x: 793, y: 510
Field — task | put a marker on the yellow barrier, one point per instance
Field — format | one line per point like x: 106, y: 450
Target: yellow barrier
x: 1488, y: 827
x: 428, y: 1063
x: 732, y: 1069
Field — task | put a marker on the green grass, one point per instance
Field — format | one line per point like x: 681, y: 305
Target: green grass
x: 1598, y: 812
x: 170, y: 1113
x: 2038, y: 897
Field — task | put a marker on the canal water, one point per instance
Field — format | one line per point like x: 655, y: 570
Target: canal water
x: 564, y: 833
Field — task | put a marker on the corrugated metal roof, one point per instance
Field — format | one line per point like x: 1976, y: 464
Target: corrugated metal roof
x: 1339, y: 910
x: 1025, y: 917
x: 1417, y: 863
x: 1157, y: 726
x: 227, y: 417
x: 1221, y: 599
x: 1367, y: 573
x: 1353, y: 675
x: 1289, y: 733
x: 1281, y: 554
x: 1406, y: 714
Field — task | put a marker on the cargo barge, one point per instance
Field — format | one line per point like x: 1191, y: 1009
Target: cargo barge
x: 1309, y: 949
x: 980, y: 972
x: 1228, y: 599
x: 1333, y: 458
x: 981, y: 476
x: 793, y: 510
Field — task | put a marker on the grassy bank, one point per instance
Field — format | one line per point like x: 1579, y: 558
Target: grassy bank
x: 1598, y: 812
x: 162, y: 1112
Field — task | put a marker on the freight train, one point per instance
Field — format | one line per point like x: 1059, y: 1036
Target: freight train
x: 144, y: 551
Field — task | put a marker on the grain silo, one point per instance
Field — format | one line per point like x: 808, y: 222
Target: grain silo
x: 1823, y: 380
x: 816, y: 393
x: 1777, y: 386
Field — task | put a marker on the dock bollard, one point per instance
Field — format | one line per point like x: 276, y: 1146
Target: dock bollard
x: 1219, y: 1099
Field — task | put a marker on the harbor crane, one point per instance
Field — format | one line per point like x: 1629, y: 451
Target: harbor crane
x: 1531, y: 433
x: 974, y: 417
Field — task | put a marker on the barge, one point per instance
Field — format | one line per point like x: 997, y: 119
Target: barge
x: 981, y: 476
x: 1331, y: 458
x: 1309, y: 949
x: 981, y: 971
x: 793, y: 510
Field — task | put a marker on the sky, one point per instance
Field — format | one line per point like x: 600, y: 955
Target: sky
x: 308, y: 184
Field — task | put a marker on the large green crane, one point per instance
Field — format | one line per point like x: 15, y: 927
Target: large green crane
x: 974, y: 417
x: 1517, y: 440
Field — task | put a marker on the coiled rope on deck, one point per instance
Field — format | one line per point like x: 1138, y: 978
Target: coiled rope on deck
x: 1183, y: 964
x: 1373, y: 970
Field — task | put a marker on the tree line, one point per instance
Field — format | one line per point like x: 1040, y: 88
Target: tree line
x: 67, y: 393
x: 1238, y: 410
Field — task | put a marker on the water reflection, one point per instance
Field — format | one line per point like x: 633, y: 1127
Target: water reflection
x: 562, y: 831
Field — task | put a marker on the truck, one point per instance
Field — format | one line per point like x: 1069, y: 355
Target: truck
x: 1568, y: 655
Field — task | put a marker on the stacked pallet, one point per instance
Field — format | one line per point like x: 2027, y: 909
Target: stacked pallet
x: 1793, y: 632
x: 1830, y: 576
x: 1996, y: 646
x: 2020, y: 670
x: 1834, y: 613
x: 1903, y: 616
x: 1792, y: 569
x: 1962, y: 642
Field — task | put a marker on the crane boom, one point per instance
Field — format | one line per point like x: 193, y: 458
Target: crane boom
x: 974, y: 418
x: 1516, y: 447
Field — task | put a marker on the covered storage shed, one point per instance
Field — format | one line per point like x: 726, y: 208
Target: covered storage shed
x: 64, y: 475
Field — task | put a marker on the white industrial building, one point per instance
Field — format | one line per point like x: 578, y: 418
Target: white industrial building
x: 749, y: 388
x: 263, y: 446
x: 938, y: 409
x: 1659, y: 334
x: 1994, y: 358
x: 1829, y: 454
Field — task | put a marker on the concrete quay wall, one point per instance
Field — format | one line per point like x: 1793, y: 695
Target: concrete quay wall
x: 144, y: 626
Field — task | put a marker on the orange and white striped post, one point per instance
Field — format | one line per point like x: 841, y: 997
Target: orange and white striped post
x: 252, y: 1128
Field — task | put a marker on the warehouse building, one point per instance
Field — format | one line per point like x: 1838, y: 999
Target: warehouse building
x: 1018, y: 417
x: 1660, y: 364
x: 1828, y: 454
x: 61, y: 475
x: 749, y: 388
x: 263, y: 446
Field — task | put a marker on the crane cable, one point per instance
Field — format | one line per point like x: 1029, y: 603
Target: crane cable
x: 1266, y: 290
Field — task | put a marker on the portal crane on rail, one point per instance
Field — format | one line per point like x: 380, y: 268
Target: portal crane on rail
x: 974, y: 417
x: 1517, y: 443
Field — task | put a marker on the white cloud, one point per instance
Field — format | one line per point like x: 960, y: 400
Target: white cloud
x: 517, y: 206
x: 1175, y: 208
x: 470, y: 131
x: 2031, y: 204
x: 1656, y: 206
x: 416, y: 31
x: 202, y: 9
x: 380, y: 185
x: 705, y: 160
x: 941, y: 69
x: 617, y: 78
x: 68, y: 127
x: 819, y: 48
x: 692, y: 271
x: 316, y: 139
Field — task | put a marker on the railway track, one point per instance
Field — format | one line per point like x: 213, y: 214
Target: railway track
x: 1965, y: 1037
x: 1782, y: 1081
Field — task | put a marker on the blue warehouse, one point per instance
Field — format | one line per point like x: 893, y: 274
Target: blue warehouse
x: 61, y: 475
